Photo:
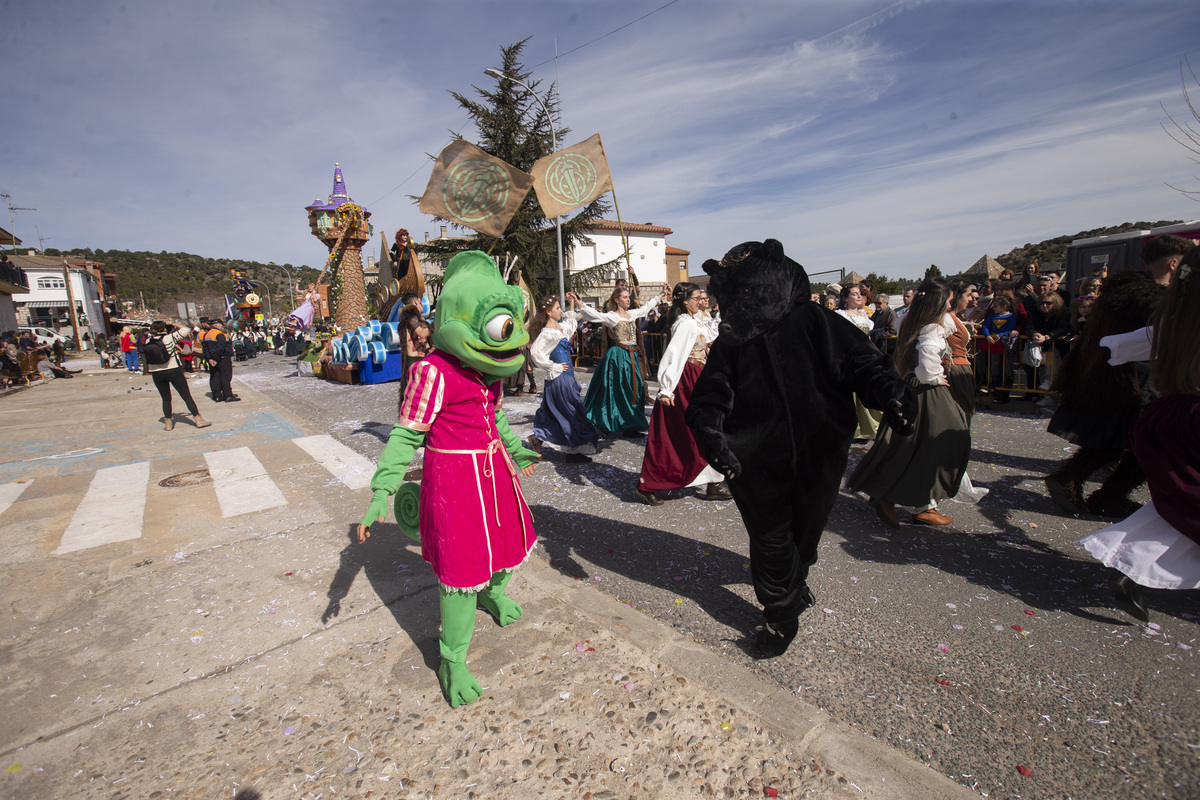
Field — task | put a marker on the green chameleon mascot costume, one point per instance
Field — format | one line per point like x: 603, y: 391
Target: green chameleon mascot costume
x: 475, y: 526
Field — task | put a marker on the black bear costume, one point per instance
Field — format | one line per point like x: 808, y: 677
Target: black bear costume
x: 774, y: 411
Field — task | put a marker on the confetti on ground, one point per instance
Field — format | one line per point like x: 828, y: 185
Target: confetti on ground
x: 1017, y: 628
x: 12, y: 768
x: 725, y: 726
x: 1030, y: 612
x: 771, y: 791
x: 945, y: 648
x: 957, y: 627
x: 1024, y: 770
x: 288, y: 731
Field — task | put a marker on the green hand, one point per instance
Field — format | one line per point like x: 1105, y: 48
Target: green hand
x: 377, y: 510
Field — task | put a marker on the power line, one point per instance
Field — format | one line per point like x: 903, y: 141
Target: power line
x: 606, y: 35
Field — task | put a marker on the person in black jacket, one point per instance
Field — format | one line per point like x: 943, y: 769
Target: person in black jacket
x: 774, y: 411
x: 219, y: 352
x: 1101, y: 402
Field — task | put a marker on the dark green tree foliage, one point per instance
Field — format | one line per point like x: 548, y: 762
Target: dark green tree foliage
x: 163, y: 277
x: 1055, y: 250
x: 933, y: 271
x: 511, y: 125
x: 883, y: 284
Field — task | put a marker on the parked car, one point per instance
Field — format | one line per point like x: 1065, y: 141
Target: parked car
x: 47, y: 337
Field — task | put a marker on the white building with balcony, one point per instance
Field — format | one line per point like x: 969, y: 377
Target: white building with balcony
x: 647, y: 254
x: 46, y: 304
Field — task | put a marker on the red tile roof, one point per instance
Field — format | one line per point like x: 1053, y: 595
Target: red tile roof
x: 613, y: 225
x: 677, y: 251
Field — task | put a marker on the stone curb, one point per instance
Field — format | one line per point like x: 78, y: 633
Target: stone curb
x: 871, y: 766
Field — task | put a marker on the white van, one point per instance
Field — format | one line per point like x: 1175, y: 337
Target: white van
x: 45, y: 336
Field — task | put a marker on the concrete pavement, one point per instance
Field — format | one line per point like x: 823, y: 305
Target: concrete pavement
x: 240, y: 642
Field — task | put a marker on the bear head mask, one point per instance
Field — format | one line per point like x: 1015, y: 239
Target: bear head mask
x: 756, y: 285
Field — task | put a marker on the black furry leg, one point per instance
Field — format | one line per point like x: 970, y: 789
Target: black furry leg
x: 1112, y: 498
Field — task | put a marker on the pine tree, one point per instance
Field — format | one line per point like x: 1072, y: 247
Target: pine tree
x: 513, y: 126
x: 933, y: 272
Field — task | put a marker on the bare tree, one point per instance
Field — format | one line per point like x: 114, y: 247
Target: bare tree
x: 1187, y: 133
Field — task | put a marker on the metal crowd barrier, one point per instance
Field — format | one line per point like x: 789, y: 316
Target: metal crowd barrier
x: 1003, y: 372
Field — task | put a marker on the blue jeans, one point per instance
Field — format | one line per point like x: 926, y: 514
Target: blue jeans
x: 131, y: 361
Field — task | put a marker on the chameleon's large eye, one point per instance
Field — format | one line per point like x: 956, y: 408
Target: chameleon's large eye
x: 499, y: 327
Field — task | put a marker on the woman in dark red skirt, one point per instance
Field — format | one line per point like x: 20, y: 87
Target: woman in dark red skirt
x: 672, y: 459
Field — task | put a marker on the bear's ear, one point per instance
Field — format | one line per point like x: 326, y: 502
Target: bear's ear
x: 772, y: 251
x: 711, y: 266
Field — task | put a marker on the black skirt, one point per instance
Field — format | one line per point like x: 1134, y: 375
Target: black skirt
x: 927, y: 465
x: 962, y: 387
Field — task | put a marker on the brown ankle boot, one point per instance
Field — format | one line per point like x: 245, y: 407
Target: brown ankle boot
x: 930, y: 516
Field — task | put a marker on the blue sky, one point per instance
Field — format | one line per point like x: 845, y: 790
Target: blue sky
x: 863, y: 135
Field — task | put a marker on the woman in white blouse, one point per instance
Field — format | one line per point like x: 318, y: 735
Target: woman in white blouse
x: 927, y: 466
x: 672, y: 459
x: 616, y: 396
x: 561, y: 419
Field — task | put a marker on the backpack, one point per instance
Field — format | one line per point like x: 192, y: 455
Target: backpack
x: 155, y: 352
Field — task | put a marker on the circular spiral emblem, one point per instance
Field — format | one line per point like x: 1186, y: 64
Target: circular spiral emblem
x: 571, y: 179
x: 475, y: 190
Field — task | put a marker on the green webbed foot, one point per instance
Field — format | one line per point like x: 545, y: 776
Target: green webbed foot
x: 458, y: 683
x: 494, y: 601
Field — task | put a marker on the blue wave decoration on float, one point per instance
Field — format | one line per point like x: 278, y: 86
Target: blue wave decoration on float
x: 371, y: 341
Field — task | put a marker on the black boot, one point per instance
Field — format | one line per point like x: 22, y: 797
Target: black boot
x: 718, y: 491
x: 1067, y: 491
x: 1065, y: 484
x: 774, y: 638
x: 1129, y: 597
x: 1112, y: 498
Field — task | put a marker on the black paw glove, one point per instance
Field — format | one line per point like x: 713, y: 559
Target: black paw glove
x: 901, y: 410
x: 713, y: 445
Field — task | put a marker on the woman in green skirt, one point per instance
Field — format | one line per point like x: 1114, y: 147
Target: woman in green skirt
x: 928, y: 465
x: 616, y: 396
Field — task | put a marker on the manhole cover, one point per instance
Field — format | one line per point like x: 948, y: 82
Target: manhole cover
x: 194, y: 478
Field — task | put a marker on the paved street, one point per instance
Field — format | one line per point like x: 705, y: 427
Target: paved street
x: 152, y: 574
x: 1037, y: 670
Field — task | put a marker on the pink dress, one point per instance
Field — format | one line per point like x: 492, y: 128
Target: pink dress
x: 473, y: 518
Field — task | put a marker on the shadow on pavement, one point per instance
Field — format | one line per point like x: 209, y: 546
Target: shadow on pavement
x: 396, y: 574
x: 1008, y: 562
x: 650, y: 556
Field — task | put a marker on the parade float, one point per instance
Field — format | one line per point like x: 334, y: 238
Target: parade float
x: 363, y: 349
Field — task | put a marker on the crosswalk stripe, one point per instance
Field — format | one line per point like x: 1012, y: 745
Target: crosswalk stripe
x: 343, y: 463
x: 111, y: 511
x: 9, y: 492
x: 241, y: 482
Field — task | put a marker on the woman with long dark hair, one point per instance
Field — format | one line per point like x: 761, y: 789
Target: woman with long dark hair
x: 616, y: 396
x: 672, y: 459
x: 561, y: 419
x: 1158, y: 546
x: 927, y: 466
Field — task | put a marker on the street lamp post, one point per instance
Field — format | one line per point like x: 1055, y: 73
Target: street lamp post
x: 495, y: 73
x: 270, y: 310
x: 289, y: 274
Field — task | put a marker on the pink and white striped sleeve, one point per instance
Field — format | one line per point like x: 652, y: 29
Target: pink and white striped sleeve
x: 422, y: 397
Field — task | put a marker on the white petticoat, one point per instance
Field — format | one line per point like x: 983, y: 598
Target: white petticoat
x: 969, y: 492
x: 1147, y: 549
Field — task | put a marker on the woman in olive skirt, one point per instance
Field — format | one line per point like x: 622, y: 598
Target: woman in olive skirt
x: 927, y: 466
